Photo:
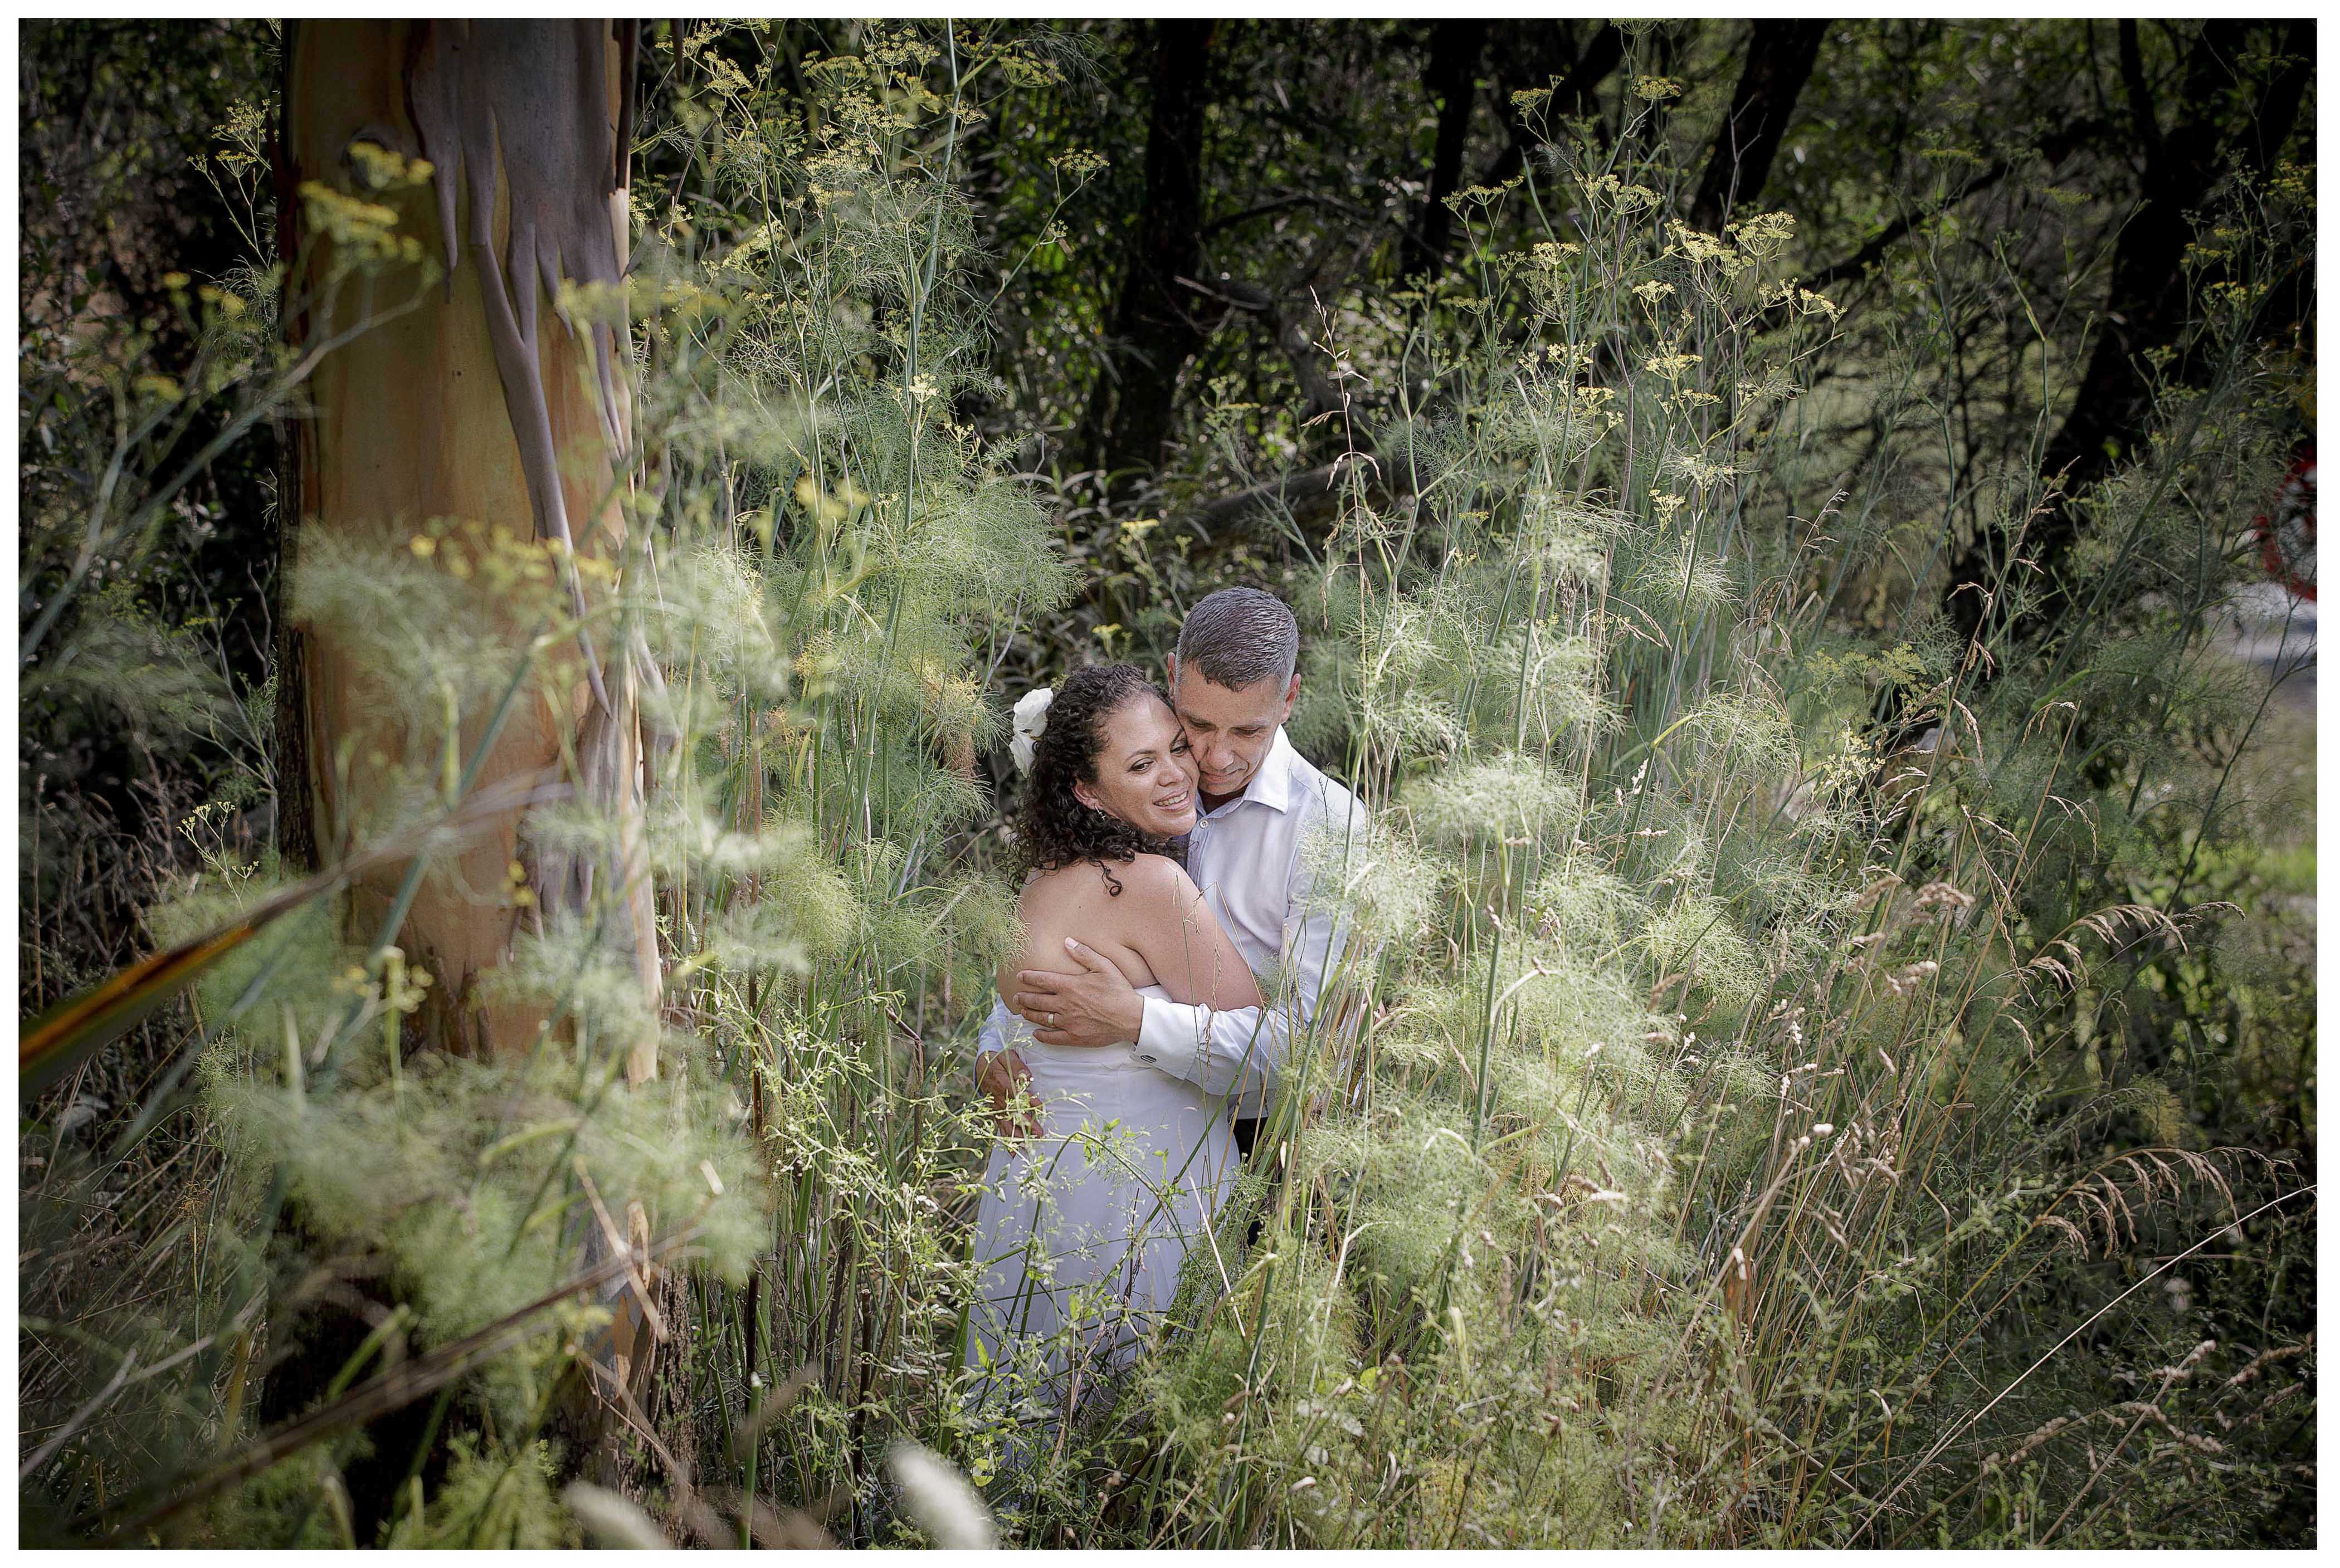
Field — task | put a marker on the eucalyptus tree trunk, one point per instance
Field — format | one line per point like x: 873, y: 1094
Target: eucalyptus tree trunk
x: 469, y: 405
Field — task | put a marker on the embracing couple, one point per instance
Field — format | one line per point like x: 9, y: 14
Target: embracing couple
x: 1171, y: 843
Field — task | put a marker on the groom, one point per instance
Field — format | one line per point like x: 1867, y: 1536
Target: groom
x: 1259, y: 803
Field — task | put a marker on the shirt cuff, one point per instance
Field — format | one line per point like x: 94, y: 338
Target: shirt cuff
x: 1170, y: 1038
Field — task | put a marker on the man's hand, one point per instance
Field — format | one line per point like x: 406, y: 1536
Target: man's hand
x: 1009, y: 1083
x: 1097, y: 1007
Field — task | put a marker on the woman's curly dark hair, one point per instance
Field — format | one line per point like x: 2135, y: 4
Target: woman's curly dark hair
x: 1052, y: 828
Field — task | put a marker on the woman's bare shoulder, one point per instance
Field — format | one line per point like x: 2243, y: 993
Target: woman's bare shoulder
x: 1160, y: 873
x: 1080, y: 886
x: 1075, y: 901
x: 1095, y: 878
x: 1162, y: 885
x: 1052, y: 882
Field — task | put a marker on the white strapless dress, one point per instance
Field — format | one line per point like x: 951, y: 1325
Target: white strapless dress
x: 1087, y: 1227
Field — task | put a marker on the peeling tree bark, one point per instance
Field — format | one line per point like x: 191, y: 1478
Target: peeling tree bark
x: 476, y: 405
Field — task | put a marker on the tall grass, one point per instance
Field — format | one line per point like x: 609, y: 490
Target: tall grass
x: 1722, y: 1134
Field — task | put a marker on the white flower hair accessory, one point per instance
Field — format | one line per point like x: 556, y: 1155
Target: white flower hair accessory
x: 1031, y: 723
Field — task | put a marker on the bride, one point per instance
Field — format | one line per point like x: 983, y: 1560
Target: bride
x: 1112, y: 1172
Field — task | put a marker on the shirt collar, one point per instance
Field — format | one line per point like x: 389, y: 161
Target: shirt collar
x: 1272, y: 784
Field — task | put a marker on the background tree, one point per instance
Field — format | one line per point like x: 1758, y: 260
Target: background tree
x: 1451, y: 78
x: 1780, y: 59
x: 2237, y: 102
x: 1159, y: 319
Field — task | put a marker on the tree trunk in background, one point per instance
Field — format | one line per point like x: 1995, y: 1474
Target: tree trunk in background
x: 1529, y: 55
x: 2146, y: 308
x: 476, y: 405
x: 1779, y: 56
x: 1451, y: 78
x: 1158, y: 324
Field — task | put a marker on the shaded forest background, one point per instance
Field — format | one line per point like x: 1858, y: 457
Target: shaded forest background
x: 1210, y: 262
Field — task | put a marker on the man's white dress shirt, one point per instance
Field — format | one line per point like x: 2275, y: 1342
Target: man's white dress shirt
x: 1270, y: 862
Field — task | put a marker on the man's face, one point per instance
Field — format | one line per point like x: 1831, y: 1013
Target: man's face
x: 1229, y: 728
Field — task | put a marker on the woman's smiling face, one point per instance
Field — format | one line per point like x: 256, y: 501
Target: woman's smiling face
x: 1142, y: 774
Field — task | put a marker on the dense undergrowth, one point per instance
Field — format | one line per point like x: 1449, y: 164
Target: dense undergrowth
x: 1761, y: 1125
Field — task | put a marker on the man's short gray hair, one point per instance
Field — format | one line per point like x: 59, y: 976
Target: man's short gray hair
x: 1238, y: 637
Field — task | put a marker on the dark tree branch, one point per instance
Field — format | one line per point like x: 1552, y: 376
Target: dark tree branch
x: 1779, y: 56
x: 1571, y: 92
x: 2146, y: 308
x: 1302, y: 498
x: 1597, y: 64
x: 2278, y: 105
x: 1304, y: 494
x: 1287, y: 201
x: 1311, y: 366
x: 1869, y: 254
x: 1266, y: 209
x: 2055, y: 146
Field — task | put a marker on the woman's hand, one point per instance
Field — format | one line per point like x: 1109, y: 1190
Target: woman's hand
x: 1004, y: 1078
